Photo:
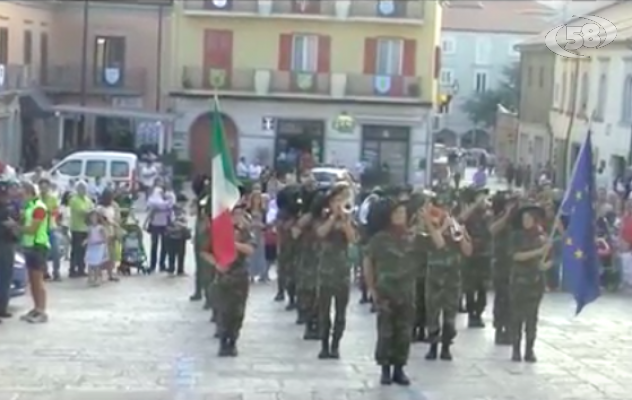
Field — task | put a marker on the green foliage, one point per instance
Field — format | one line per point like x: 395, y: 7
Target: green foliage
x: 481, y: 108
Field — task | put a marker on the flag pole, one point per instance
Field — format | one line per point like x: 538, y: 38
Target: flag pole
x: 558, y: 213
x: 214, y: 110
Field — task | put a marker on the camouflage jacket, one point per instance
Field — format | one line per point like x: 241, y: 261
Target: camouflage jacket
x: 308, y: 247
x: 501, y: 244
x: 449, y: 257
x: 478, y: 227
x: 287, y: 244
x: 394, y: 265
x: 421, y: 243
x: 333, y: 266
x: 526, y: 276
x: 239, y: 268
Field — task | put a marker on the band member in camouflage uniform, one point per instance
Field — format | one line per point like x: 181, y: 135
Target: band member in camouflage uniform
x: 289, y: 202
x: 477, y: 268
x: 391, y: 271
x: 231, y: 285
x: 448, y: 242
x: 529, y: 249
x: 335, y: 231
x: 501, y: 228
x: 420, y: 257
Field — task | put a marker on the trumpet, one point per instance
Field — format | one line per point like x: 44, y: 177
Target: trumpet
x: 455, y: 229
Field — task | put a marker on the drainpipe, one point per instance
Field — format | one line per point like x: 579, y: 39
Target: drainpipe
x: 159, y: 58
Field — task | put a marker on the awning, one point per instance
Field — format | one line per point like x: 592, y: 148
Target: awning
x: 35, y: 104
x: 113, y: 112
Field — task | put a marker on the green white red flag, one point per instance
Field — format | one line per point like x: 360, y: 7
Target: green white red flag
x: 224, y: 194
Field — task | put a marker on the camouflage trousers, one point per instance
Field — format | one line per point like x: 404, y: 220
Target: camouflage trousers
x: 420, y: 303
x: 306, y: 299
x: 231, y: 296
x: 476, y: 273
x: 525, y: 306
x: 395, y: 319
x: 443, y: 293
x: 502, y: 301
x: 339, y: 295
x: 204, y: 277
x: 286, y: 272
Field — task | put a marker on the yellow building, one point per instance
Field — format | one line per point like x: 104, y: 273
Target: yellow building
x: 286, y: 70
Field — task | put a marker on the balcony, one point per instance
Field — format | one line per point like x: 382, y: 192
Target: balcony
x: 308, y: 9
x: 398, y: 11
x: 220, y: 7
x: 15, y: 77
x: 300, y: 84
x: 362, y: 86
x: 196, y: 78
x: 105, y: 81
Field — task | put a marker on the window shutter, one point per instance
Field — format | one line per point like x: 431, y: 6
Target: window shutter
x: 410, y: 57
x: 285, y: 52
x: 437, y: 62
x: 370, y: 55
x: 324, y: 54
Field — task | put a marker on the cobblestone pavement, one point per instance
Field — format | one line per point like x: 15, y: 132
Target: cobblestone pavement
x: 142, y: 339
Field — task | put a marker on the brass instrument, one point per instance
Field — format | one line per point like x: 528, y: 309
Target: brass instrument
x: 455, y: 229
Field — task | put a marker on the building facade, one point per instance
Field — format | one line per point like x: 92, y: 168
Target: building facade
x: 58, y: 82
x: 593, y: 93
x: 478, y: 47
x: 286, y: 70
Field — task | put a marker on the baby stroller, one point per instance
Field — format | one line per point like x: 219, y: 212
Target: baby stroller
x: 133, y: 253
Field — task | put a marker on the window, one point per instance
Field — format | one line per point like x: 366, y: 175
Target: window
x: 483, y: 48
x: 563, y: 99
x: 28, y: 47
x: 109, y: 59
x: 305, y: 53
x: 447, y: 77
x: 448, y: 46
x: 43, y: 56
x: 389, y: 56
x: 95, y: 168
x: 70, y: 168
x: 626, y: 101
x: 119, y: 169
x: 4, y: 46
x: 529, y: 75
x: 480, y: 82
x: 583, y: 99
x: 572, y: 98
x: 541, y: 77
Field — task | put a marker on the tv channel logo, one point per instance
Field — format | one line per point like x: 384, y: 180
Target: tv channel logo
x: 567, y: 41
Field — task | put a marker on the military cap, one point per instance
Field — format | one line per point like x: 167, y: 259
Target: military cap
x: 535, y: 210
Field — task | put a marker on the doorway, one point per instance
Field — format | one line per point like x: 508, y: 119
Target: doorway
x: 387, y: 148
x: 298, y: 144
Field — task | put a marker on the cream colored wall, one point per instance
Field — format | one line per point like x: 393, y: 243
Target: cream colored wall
x: 256, y: 42
x: 19, y: 16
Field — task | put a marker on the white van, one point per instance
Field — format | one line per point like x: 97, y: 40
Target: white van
x: 111, y: 166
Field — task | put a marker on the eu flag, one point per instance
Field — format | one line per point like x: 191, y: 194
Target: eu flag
x: 579, y: 256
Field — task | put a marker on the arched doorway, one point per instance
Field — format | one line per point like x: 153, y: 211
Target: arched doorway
x: 200, y: 141
x: 446, y: 137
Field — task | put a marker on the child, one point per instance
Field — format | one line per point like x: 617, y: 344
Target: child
x: 177, y: 235
x: 96, y: 247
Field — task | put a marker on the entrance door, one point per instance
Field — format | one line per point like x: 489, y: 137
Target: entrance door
x: 298, y: 144
x: 387, y: 148
x: 200, y: 142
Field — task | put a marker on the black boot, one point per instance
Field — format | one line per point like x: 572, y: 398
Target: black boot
x: 445, y: 352
x: 385, y: 377
x: 224, y: 348
x: 505, y: 337
x: 474, y: 321
x: 279, y: 296
x: 529, y: 354
x: 207, y: 306
x: 232, y: 348
x: 292, y: 304
x: 195, y: 297
x: 301, y: 318
x: 364, y: 299
x: 432, y: 352
x: 311, y: 331
x: 498, y: 336
x: 399, y: 376
x: 324, y: 349
x: 334, y: 352
x: 420, y: 334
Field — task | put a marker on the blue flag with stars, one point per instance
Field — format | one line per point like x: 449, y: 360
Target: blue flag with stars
x: 579, y: 256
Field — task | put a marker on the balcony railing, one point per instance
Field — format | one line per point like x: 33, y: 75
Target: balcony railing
x: 285, y: 84
x: 360, y: 85
x: 235, y: 6
x: 201, y: 79
x: 323, y: 8
x: 290, y: 82
x: 67, y: 79
x: 16, y: 76
x: 397, y: 9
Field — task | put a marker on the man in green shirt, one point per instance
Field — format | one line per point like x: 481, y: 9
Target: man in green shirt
x: 80, y: 204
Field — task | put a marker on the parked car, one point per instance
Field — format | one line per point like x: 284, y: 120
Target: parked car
x: 20, y: 280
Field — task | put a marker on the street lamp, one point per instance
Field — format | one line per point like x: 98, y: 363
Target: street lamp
x: 344, y: 123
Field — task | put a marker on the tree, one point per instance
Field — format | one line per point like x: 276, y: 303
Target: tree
x: 481, y: 108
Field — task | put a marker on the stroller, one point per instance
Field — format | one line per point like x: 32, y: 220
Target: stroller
x: 133, y: 253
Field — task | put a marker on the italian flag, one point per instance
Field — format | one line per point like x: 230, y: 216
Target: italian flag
x: 224, y: 195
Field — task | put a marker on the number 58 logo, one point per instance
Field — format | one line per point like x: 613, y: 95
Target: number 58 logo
x: 596, y: 33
